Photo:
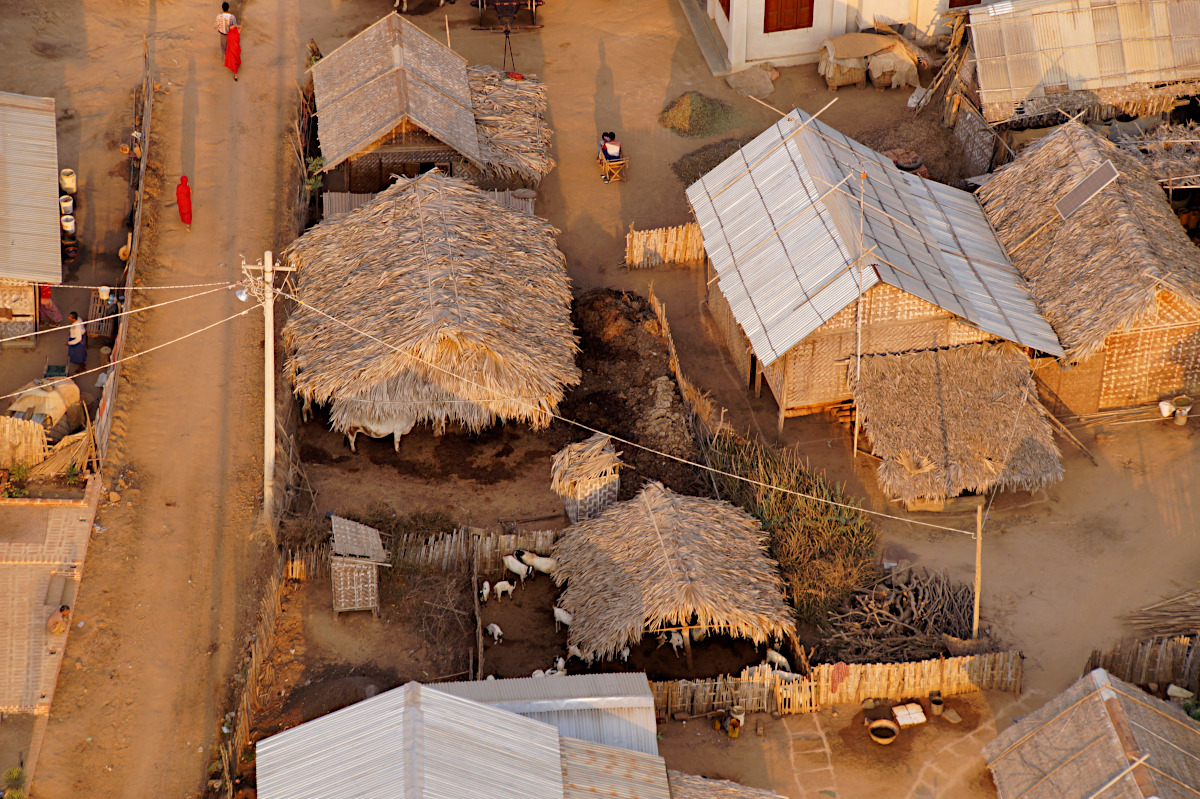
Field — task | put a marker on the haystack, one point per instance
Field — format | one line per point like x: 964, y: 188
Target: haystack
x: 694, y: 115
x: 664, y: 561
x: 514, y: 139
x: 1106, y: 268
x: 945, y: 422
x: 467, y: 304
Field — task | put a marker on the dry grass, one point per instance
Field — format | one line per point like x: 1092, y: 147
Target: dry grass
x: 514, y: 138
x: 695, y: 116
x: 824, y: 552
x: 698, y: 163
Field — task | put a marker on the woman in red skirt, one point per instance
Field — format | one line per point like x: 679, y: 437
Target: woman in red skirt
x: 183, y: 196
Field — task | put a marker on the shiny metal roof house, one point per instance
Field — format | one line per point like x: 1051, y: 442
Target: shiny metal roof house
x: 797, y: 219
x: 29, y: 190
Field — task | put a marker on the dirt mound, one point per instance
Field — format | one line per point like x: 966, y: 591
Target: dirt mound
x: 627, y: 390
x: 693, y: 115
x: 696, y: 164
x: 924, y: 135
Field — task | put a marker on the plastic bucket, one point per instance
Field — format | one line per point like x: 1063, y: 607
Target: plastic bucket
x: 66, y: 205
x: 1183, y: 406
x: 738, y: 713
x: 68, y: 225
x: 67, y: 181
x: 936, y: 705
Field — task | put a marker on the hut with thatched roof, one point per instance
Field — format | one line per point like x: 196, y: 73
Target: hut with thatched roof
x: 822, y: 249
x: 395, y: 101
x: 431, y: 303
x: 921, y: 413
x: 1118, y: 279
x: 1100, y: 737
x: 664, y: 561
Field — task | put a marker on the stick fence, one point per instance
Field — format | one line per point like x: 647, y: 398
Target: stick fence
x: 682, y: 244
x: 1172, y: 659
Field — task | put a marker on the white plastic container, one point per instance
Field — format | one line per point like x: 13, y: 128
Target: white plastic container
x: 67, y: 181
x: 68, y: 225
x: 66, y: 205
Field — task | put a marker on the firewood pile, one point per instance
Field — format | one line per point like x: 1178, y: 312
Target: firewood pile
x: 902, y: 617
x: 1177, y: 615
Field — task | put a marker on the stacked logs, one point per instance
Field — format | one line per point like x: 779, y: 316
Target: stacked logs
x: 902, y: 617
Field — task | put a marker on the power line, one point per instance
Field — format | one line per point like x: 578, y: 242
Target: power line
x: 139, y: 288
x: 624, y: 441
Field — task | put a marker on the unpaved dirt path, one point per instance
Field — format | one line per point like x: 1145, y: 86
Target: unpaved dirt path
x: 166, y: 594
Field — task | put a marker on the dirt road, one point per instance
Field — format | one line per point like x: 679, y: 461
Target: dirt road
x: 163, y: 601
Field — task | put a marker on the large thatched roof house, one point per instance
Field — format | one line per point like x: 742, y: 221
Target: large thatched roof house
x: 803, y: 220
x: 1099, y: 738
x: 467, y: 305
x: 395, y: 101
x: 1119, y: 279
x: 666, y: 561
x: 918, y: 409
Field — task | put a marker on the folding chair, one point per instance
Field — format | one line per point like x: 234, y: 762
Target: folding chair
x: 613, y: 170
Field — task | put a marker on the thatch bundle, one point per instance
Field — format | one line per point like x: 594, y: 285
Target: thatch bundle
x: 514, y: 139
x: 663, y: 560
x: 583, y: 463
x: 1101, y: 270
x: 22, y: 441
x: 76, y: 450
x: 1168, y: 152
x: 949, y: 421
x: 689, y: 786
x: 469, y: 301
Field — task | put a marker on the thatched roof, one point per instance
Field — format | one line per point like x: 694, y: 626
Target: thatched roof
x: 582, y: 462
x: 1083, y: 742
x: 514, y: 139
x: 1100, y: 270
x: 689, y: 786
x: 663, y: 560
x: 943, y: 421
x: 391, y: 73
x: 1169, y: 153
x: 470, y: 301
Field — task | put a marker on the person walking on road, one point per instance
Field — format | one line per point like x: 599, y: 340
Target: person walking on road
x: 183, y: 196
x: 76, y: 344
x: 233, y: 53
x: 225, y: 21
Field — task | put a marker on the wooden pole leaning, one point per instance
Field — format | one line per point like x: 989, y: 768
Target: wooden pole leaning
x: 978, y: 568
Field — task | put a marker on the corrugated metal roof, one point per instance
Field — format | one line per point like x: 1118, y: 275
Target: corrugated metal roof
x: 614, y: 709
x: 591, y: 770
x: 29, y: 190
x: 1031, y: 49
x: 414, y: 743
x: 781, y: 221
x: 392, y: 72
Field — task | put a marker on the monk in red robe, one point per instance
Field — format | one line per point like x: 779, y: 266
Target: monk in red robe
x: 233, y: 49
x: 183, y: 195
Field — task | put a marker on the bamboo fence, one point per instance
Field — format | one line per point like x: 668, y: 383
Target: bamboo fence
x: 702, y: 410
x: 1174, y: 659
x: 516, y: 199
x: 681, y: 244
x: 829, y: 684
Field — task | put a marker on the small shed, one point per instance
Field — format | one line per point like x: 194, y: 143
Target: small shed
x: 1105, y: 57
x: 1119, y: 279
x: 586, y: 475
x: 664, y: 561
x: 1100, y: 737
x: 803, y: 221
x: 395, y: 101
x: 952, y: 421
x: 431, y: 303
x: 610, y: 709
x: 355, y: 555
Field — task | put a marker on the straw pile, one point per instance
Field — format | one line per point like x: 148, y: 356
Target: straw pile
x: 469, y: 302
x: 1169, y: 151
x: 950, y: 421
x: 693, y: 115
x: 1101, y: 270
x: 514, y: 138
x: 21, y: 441
x: 75, y: 450
x: 688, y: 786
x: 582, y: 463
x: 663, y: 560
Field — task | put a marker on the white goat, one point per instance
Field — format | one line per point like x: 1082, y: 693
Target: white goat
x: 625, y: 655
x: 561, y: 617
x: 494, y: 631
x: 518, y: 568
x: 676, y: 641
x: 485, y: 592
x: 560, y: 663
x: 538, y: 673
x: 503, y: 587
x: 544, y: 565
x: 778, y: 661
x: 573, y: 652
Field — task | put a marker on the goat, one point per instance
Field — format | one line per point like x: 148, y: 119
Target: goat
x: 544, y: 565
x: 625, y: 655
x: 486, y: 591
x: 538, y: 673
x: 518, y: 568
x: 554, y: 673
x: 494, y: 631
x: 573, y: 652
x: 560, y: 663
x: 562, y: 616
x: 490, y: 677
x: 777, y: 660
x: 503, y: 587
x: 699, y: 634
x: 676, y: 641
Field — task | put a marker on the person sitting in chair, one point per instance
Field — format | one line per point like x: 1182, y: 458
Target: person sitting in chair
x: 610, y: 148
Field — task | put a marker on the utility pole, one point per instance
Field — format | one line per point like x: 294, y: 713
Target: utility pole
x: 267, y: 289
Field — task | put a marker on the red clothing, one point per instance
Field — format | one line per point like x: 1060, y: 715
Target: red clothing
x: 233, y: 49
x: 183, y: 195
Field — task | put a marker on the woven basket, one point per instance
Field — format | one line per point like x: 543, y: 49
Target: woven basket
x: 589, y: 498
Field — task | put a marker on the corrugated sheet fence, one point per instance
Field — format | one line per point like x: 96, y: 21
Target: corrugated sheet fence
x: 761, y: 690
x: 1173, y: 659
x: 681, y: 244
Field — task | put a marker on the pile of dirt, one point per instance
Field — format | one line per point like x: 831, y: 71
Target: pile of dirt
x: 627, y: 390
x: 696, y: 164
x: 695, y: 116
x: 924, y: 135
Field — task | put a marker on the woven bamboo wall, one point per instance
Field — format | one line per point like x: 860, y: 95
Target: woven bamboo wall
x: 731, y: 332
x: 1160, y: 358
x: 1074, y: 391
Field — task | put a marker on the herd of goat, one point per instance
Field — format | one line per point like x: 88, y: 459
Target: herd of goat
x: 524, y: 564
